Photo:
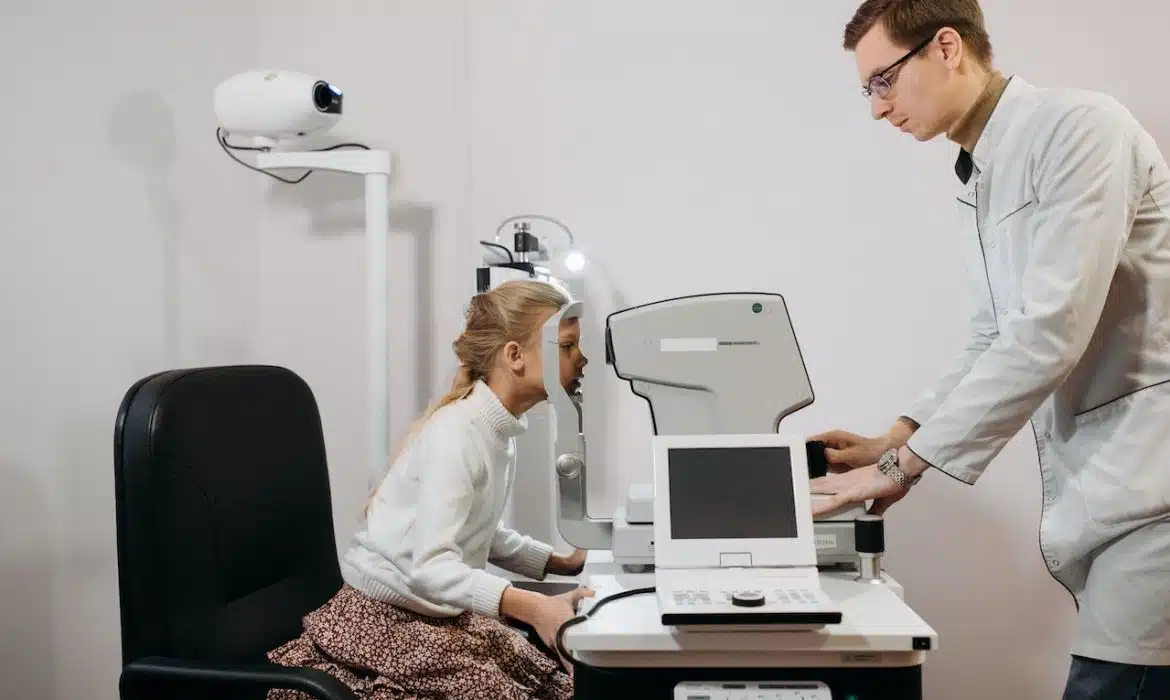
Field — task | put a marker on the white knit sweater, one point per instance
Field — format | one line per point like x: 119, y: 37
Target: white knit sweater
x: 434, y: 523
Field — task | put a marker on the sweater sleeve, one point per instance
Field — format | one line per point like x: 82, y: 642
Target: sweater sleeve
x: 519, y: 554
x: 438, y: 570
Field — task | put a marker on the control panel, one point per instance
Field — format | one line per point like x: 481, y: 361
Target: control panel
x: 755, y: 690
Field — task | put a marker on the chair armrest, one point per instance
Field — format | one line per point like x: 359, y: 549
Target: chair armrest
x: 157, y: 670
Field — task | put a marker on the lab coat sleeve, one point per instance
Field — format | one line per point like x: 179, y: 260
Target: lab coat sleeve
x: 1086, y: 195
x: 981, y: 331
x: 438, y: 570
x: 519, y: 554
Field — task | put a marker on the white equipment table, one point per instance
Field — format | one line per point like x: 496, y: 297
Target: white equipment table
x: 622, y: 650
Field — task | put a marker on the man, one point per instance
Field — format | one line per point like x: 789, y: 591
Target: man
x: 1068, y: 249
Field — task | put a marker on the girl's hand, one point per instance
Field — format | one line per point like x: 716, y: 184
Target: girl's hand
x: 554, y: 612
x: 567, y: 565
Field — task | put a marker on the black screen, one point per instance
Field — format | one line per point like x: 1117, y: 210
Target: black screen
x: 731, y: 493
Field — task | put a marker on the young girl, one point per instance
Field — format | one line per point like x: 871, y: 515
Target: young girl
x: 419, y: 615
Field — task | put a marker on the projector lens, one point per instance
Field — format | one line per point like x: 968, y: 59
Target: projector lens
x: 325, y: 97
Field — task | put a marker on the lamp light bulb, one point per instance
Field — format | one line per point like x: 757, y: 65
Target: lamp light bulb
x: 574, y: 261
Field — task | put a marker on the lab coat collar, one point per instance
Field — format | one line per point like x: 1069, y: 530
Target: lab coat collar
x: 997, y: 124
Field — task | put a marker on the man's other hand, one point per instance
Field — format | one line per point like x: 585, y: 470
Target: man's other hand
x: 845, y: 450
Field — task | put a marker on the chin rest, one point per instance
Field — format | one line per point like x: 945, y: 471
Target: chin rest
x: 225, y: 532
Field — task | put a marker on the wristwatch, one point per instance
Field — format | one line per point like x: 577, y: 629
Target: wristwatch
x: 888, y: 465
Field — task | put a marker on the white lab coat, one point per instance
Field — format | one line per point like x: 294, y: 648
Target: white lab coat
x: 1068, y: 252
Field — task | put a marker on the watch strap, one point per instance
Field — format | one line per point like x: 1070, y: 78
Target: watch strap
x: 888, y: 465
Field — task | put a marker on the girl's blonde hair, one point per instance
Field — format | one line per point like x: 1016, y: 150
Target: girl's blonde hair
x: 513, y: 311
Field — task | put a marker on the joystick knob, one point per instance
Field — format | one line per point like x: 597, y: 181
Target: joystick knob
x: 869, y: 533
x: 869, y: 539
x: 818, y: 464
x: 747, y: 599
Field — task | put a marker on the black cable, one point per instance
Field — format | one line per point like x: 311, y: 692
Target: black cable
x: 560, y: 638
x: 489, y: 244
x: 228, y: 148
x: 336, y: 146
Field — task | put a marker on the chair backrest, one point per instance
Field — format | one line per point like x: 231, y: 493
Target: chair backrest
x: 224, y: 514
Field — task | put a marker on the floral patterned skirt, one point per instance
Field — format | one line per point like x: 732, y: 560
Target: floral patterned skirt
x: 383, y: 652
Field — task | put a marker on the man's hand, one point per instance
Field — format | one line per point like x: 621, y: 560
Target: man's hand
x: 567, y: 565
x: 866, y: 484
x: 845, y: 450
x: 856, y: 486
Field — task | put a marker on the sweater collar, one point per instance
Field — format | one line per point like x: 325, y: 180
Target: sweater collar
x: 494, y: 416
x: 969, y: 128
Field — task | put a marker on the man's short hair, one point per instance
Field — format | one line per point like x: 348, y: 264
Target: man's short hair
x: 909, y: 22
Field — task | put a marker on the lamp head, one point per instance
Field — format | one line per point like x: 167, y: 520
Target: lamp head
x: 274, y: 105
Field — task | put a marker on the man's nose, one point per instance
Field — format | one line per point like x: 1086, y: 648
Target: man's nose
x: 879, y: 107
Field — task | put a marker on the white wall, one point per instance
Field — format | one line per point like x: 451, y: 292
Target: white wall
x: 733, y: 128
x: 124, y: 251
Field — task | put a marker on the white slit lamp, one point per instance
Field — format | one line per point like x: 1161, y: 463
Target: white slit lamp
x: 715, y: 581
x: 273, y: 107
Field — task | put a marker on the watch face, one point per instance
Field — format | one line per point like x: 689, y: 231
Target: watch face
x: 888, y: 465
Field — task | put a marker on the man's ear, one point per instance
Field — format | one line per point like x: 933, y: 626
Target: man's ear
x: 513, y: 356
x: 951, y: 45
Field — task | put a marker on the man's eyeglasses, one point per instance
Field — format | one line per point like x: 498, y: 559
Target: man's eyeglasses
x: 880, y: 84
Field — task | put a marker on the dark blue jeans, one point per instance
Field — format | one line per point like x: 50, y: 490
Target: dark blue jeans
x: 1090, y: 679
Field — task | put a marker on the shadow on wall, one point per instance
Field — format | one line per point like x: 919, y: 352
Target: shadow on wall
x: 88, y: 562
x: 1160, y: 130
x: 142, y: 135
x: 335, y: 203
x: 26, y: 585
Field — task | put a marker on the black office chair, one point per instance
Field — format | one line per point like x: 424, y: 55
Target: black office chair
x: 225, y: 532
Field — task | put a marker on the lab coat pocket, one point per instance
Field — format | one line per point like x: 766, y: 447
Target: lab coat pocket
x: 1122, y: 460
x: 1012, y: 211
x: 1005, y: 248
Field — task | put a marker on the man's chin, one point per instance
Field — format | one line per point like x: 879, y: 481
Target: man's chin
x: 924, y: 135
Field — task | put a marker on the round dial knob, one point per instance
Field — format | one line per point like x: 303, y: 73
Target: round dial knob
x: 569, y: 465
x: 747, y: 599
x: 869, y: 534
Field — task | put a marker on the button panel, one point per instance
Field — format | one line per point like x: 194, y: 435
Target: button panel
x: 754, y: 690
x: 778, y: 596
